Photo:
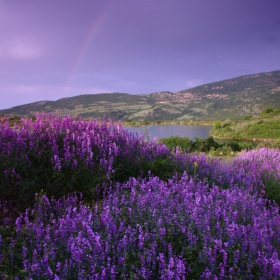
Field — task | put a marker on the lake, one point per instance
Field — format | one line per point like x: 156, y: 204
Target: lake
x: 166, y: 130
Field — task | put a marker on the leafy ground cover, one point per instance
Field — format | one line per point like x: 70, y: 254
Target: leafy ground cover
x: 264, y: 126
x: 207, y: 145
x: 115, y: 205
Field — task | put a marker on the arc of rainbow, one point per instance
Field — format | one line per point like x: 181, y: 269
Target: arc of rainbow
x: 82, y: 50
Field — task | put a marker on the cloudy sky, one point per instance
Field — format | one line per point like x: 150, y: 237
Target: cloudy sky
x: 51, y: 49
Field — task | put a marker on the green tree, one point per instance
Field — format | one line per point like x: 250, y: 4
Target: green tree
x: 217, y: 124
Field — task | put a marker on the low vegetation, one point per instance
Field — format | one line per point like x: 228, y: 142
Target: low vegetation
x: 88, y: 200
x: 264, y: 126
x: 208, y: 145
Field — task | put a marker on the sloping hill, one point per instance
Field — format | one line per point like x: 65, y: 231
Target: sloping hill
x: 232, y: 98
x: 244, y: 95
x: 263, y: 126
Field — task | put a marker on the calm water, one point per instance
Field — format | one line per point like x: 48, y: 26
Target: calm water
x: 163, y: 131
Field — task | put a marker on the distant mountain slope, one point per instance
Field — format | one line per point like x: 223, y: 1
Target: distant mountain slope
x: 244, y: 95
x: 232, y: 98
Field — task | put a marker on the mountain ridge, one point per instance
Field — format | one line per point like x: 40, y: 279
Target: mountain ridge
x: 230, y: 98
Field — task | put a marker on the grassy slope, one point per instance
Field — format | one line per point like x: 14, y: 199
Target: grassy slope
x: 264, y: 126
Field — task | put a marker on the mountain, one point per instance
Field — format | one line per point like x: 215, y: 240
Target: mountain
x: 232, y: 98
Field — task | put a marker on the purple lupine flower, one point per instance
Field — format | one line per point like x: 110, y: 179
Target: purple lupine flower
x: 57, y: 163
x: 148, y: 223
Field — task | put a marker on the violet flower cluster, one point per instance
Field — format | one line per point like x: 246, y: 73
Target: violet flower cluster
x: 150, y: 229
x: 94, y: 141
x: 52, y: 152
x: 250, y: 170
x: 263, y: 162
x: 213, y: 222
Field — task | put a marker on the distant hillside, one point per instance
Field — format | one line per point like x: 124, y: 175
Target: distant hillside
x: 233, y: 98
x: 266, y: 125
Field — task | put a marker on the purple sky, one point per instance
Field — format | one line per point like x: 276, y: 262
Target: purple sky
x: 50, y: 49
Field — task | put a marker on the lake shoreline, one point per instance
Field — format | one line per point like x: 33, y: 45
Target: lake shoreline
x: 244, y: 139
x: 167, y: 130
x: 146, y: 123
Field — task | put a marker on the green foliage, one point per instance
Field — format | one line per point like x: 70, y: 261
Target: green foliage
x: 247, y: 118
x: 263, y: 129
x: 204, y: 145
x: 270, y: 112
x: 264, y: 126
x: 197, y: 144
x: 272, y: 187
x: 269, y: 144
x: 162, y: 167
x: 225, y: 123
x: 41, y: 175
x: 208, y: 145
x: 235, y: 146
x: 222, y: 151
x: 217, y: 124
x: 229, y: 148
x: 248, y: 145
x: 176, y: 141
x: 126, y: 167
x: 11, y: 258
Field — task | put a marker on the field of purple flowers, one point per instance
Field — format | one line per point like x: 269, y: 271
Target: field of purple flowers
x: 88, y: 200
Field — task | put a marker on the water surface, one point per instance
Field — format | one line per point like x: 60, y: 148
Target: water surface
x: 166, y: 130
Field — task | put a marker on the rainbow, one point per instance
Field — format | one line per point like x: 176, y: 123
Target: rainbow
x: 82, y: 50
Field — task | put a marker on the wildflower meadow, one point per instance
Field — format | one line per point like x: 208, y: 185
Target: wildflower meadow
x: 85, y: 199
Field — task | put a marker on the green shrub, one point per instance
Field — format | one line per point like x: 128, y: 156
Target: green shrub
x: 195, y: 145
x: 247, y: 118
x: 270, y: 112
x: 204, y: 145
x: 176, y: 141
x: 236, y: 147
x: 272, y: 187
x: 222, y: 151
x: 217, y: 124
x: 269, y: 144
x: 226, y: 123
